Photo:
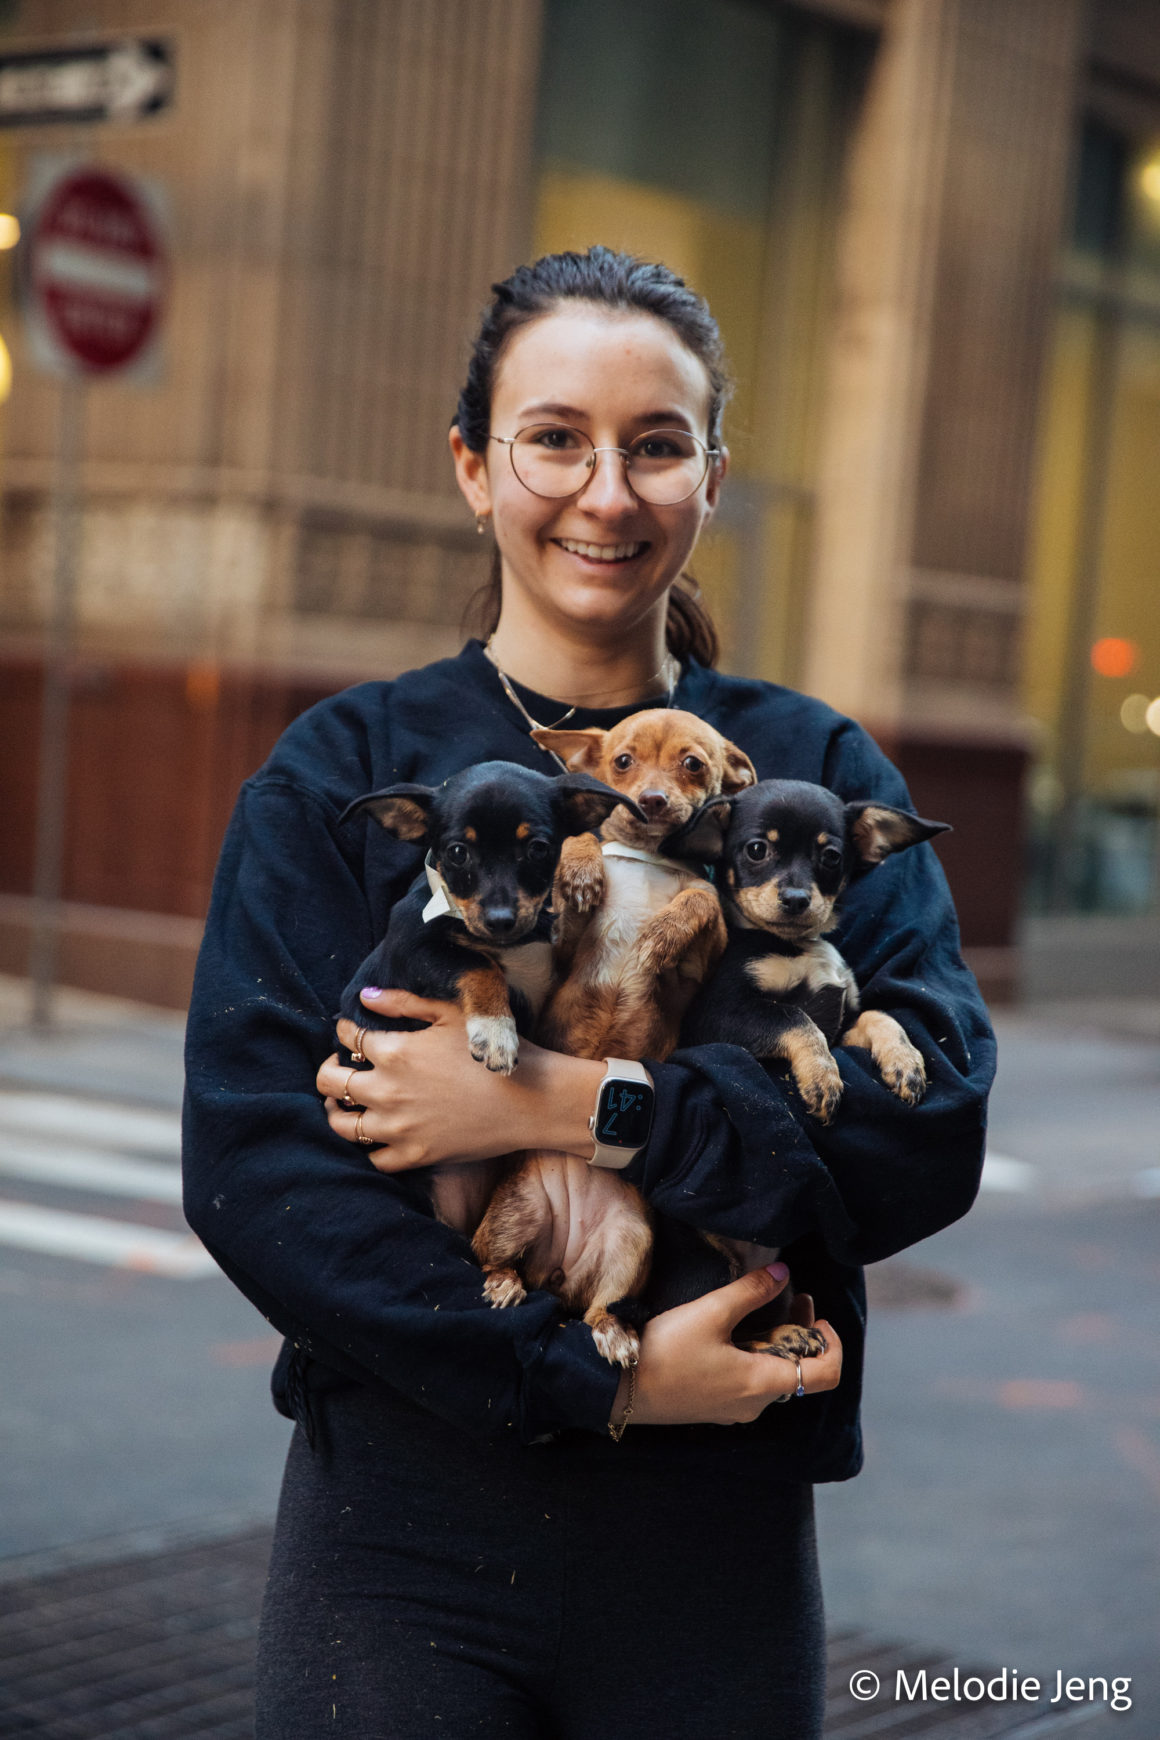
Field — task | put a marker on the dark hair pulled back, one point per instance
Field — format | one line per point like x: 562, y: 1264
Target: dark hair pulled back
x: 623, y: 284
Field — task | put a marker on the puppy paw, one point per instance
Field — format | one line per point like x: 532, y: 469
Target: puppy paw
x: 659, y: 947
x: 580, y: 885
x: 494, y: 1042
x: 615, y: 1341
x: 820, y: 1085
x: 904, y: 1072
x: 580, y: 875
x: 790, y: 1341
x: 503, y: 1287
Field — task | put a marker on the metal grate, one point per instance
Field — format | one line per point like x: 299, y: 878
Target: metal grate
x: 161, y: 1647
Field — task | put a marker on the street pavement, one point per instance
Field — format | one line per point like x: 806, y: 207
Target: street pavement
x: 1009, y: 1511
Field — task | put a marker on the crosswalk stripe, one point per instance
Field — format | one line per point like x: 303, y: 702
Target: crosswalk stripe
x: 93, y: 1122
x: 1001, y: 1172
x: 90, y: 1169
x: 117, y: 1243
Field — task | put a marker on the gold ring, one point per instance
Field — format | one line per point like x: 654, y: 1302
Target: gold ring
x: 358, y: 1131
x: 357, y: 1049
x: 346, y: 1099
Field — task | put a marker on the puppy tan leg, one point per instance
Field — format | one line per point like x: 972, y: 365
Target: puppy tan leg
x: 691, y: 915
x: 514, y: 1220
x: 619, y: 1271
x: 491, y: 1029
x: 900, y: 1063
x: 803, y: 1046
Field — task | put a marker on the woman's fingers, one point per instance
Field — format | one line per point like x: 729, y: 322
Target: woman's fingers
x: 748, y: 1293
x: 364, y: 1128
x: 397, y: 1005
x: 335, y: 1078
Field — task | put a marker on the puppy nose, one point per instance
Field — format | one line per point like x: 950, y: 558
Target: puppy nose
x: 501, y: 920
x: 653, y: 803
x: 794, y: 900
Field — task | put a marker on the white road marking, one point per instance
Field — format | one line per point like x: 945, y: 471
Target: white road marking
x: 90, y: 1169
x: 116, y: 1243
x: 1001, y: 1172
x: 93, y: 1122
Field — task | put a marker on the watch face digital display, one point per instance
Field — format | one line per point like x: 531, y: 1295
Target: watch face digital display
x: 624, y: 1114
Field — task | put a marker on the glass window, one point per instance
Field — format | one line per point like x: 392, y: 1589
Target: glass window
x: 711, y: 134
x: 1093, y: 660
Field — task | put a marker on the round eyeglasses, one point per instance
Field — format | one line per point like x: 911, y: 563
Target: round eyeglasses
x: 662, y: 466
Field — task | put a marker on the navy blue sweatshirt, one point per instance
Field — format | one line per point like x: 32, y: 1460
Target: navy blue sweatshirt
x: 350, y: 1265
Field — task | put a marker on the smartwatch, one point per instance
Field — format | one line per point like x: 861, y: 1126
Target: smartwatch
x: 624, y: 1113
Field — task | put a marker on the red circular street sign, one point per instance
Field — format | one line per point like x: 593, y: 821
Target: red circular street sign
x: 97, y: 268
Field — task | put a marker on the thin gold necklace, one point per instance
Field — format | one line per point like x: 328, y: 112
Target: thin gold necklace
x: 669, y: 662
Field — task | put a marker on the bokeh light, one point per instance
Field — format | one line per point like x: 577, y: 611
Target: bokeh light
x: 9, y: 230
x: 1113, y: 657
x: 1152, y: 716
x: 1134, y: 714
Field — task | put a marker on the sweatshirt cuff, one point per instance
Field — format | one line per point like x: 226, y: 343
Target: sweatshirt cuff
x: 677, y: 1128
x: 569, y: 1385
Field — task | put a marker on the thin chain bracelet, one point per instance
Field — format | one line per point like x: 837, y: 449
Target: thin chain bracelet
x: 616, y: 1433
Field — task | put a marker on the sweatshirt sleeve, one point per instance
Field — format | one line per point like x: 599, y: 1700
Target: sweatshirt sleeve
x: 733, y: 1149
x: 348, y: 1263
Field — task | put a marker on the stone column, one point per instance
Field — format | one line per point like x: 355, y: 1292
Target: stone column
x: 957, y: 195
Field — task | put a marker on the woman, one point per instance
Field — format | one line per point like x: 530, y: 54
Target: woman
x: 463, y: 1546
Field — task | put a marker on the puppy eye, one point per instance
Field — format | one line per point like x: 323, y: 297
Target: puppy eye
x: 539, y: 851
x: 694, y: 764
x: 829, y: 857
x: 456, y: 855
x: 623, y: 762
x: 756, y: 850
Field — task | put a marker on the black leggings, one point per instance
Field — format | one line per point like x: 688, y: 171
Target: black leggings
x: 426, y: 1584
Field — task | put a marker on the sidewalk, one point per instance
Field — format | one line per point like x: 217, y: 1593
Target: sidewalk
x: 101, y: 1046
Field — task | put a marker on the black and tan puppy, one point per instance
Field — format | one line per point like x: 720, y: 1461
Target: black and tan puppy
x: 476, y: 930
x: 785, y: 852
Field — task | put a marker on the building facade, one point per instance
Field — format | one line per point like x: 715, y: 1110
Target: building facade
x: 927, y: 230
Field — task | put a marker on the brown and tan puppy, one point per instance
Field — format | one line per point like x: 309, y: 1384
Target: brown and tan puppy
x: 636, y: 935
x: 633, y: 939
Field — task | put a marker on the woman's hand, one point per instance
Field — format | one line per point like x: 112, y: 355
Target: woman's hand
x: 690, y: 1372
x: 426, y: 1100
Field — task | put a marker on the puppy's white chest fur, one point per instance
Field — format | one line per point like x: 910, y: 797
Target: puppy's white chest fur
x: 634, y: 889
x: 819, y: 964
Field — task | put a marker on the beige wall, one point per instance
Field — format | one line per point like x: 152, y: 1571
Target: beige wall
x: 957, y: 199
x: 346, y: 177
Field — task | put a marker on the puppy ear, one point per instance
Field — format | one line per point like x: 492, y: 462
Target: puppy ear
x: 403, y: 810
x: 875, y: 830
x: 580, y: 751
x: 739, y: 770
x: 702, y: 838
x: 587, y: 802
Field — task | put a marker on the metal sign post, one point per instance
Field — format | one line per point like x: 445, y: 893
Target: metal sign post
x: 94, y: 283
x: 52, y: 785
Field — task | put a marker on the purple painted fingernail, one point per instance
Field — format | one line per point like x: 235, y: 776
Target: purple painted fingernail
x: 371, y: 991
x: 778, y: 1271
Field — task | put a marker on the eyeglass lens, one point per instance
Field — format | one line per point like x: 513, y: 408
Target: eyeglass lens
x: 663, y: 465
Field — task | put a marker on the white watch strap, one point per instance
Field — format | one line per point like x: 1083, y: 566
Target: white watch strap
x: 616, y: 1069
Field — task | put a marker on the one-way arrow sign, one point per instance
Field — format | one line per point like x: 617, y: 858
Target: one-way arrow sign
x: 107, y: 81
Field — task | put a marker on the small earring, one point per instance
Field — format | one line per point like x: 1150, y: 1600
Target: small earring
x: 481, y: 523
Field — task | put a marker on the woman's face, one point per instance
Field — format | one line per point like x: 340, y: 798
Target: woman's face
x: 602, y: 558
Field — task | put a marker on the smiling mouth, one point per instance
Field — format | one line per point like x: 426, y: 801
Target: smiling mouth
x: 602, y: 552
